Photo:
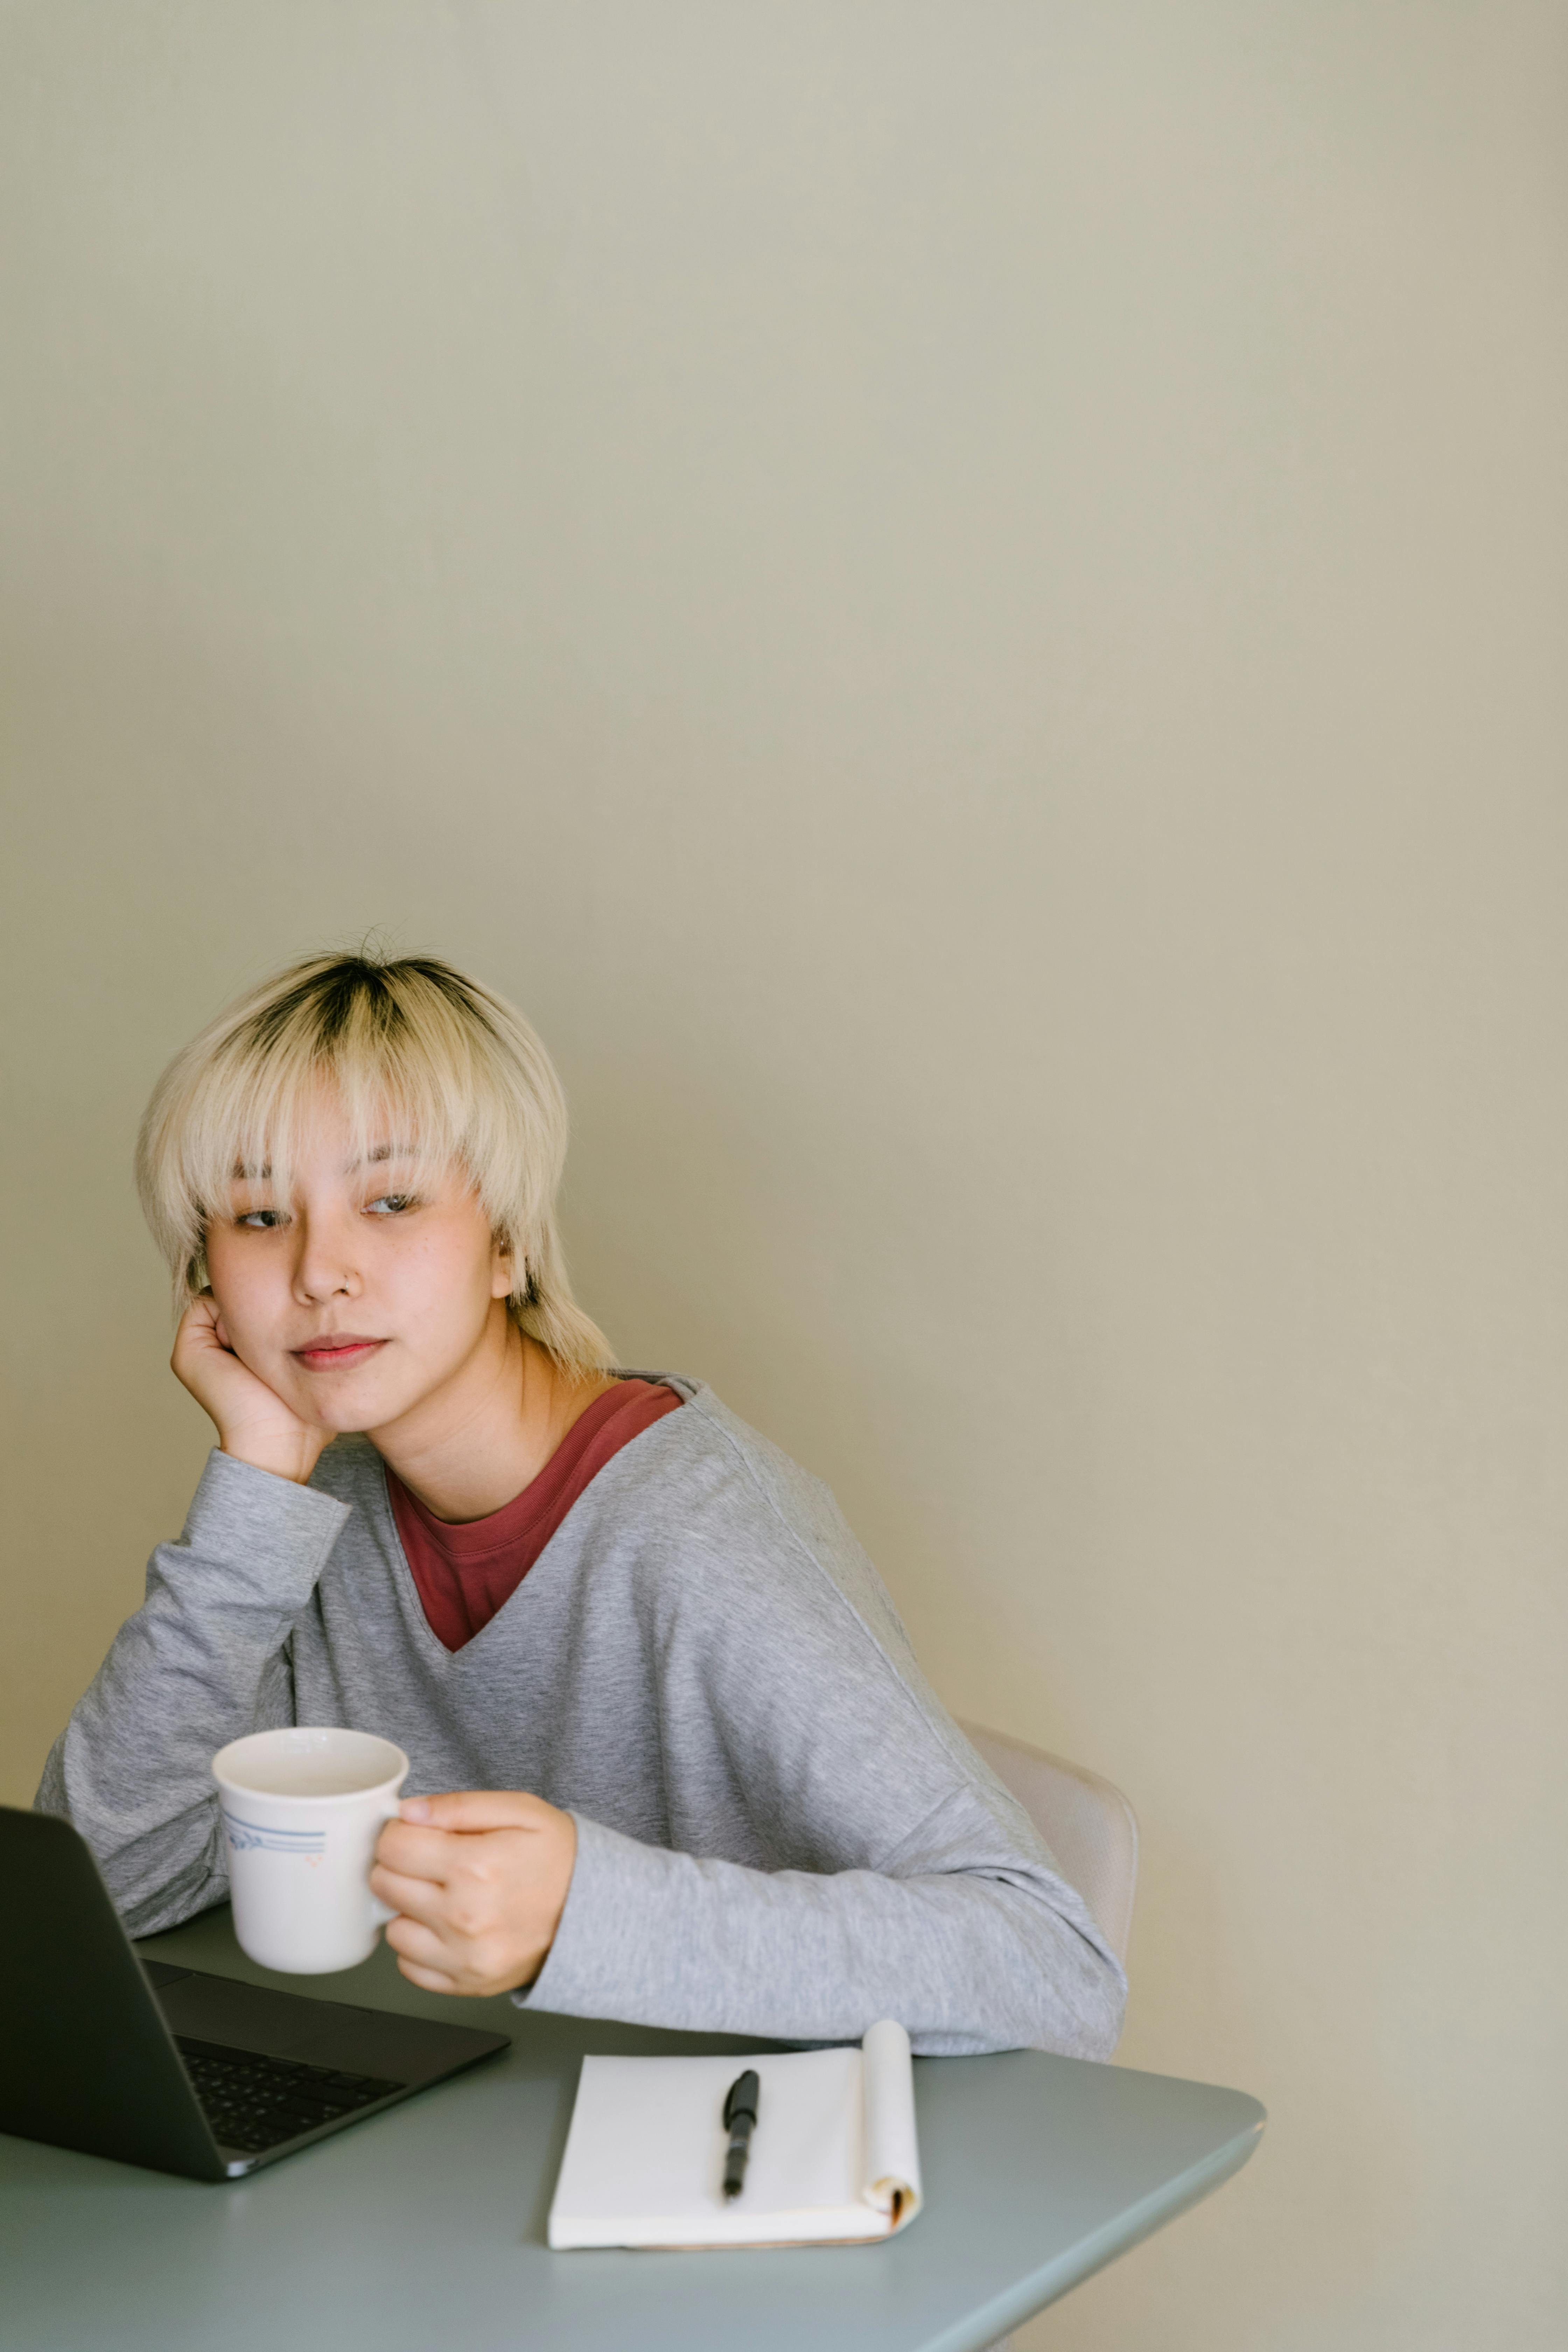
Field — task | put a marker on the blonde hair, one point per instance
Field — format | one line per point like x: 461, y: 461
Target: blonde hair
x: 457, y: 1068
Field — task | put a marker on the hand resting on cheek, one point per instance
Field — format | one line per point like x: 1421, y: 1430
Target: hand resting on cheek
x: 480, y: 1881
x: 252, y: 1420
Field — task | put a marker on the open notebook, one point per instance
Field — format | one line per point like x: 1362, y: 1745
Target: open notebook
x: 833, y: 2156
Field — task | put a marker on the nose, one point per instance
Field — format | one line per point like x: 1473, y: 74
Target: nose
x: 325, y: 1265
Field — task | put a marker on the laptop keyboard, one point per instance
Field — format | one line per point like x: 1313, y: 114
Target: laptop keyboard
x: 254, y: 2101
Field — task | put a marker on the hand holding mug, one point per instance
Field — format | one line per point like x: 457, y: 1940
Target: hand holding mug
x: 479, y: 1880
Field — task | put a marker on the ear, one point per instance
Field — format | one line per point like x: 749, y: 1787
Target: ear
x: 503, y: 1267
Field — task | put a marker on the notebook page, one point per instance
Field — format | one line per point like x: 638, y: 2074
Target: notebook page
x: 645, y: 2156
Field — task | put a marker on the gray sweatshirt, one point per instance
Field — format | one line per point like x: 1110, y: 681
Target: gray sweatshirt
x: 780, y: 1831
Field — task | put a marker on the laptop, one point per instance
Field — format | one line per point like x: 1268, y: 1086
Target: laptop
x: 164, y: 2066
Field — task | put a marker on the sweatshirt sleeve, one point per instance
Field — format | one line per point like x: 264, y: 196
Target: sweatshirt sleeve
x: 202, y: 1661
x: 970, y: 1951
x: 886, y: 1873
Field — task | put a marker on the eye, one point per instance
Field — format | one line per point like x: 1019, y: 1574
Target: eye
x: 390, y: 1204
x: 260, y: 1221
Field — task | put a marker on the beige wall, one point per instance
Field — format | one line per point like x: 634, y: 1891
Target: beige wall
x: 966, y: 601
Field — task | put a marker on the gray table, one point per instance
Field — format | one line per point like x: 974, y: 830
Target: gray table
x: 423, y: 2231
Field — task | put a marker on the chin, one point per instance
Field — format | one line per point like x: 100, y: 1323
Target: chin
x: 355, y: 1416
x: 353, y: 1421
x: 345, y: 1416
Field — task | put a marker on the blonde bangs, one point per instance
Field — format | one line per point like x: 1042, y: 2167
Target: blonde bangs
x: 415, y: 1055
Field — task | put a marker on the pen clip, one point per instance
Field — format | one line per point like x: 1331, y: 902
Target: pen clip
x: 742, y: 2099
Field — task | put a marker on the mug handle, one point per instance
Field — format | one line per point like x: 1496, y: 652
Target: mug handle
x: 382, y: 1912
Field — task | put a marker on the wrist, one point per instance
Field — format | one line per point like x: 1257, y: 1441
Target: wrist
x: 293, y: 1458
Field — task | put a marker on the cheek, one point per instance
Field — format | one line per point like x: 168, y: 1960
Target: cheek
x: 250, y: 1292
x: 222, y: 1268
x: 441, y: 1280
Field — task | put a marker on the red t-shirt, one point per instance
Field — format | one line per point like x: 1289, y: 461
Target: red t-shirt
x: 466, y: 1572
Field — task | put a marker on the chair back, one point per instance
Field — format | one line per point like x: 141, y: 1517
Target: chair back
x: 1090, y: 1828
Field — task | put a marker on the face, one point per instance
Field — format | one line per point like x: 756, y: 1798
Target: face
x: 375, y: 1287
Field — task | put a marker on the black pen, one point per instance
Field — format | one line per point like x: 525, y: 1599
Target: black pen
x: 739, y: 2121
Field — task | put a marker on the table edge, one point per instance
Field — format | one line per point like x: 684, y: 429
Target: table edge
x: 979, y: 2329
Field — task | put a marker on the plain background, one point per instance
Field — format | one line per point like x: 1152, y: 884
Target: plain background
x: 965, y: 602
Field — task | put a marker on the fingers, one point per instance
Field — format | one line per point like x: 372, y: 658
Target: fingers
x: 416, y: 1898
x: 417, y: 1853
x: 428, y: 1979
x: 455, y: 1880
x: 479, y: 1808
x: 423, y: 1959
x: 441, y: 1964
x: 198, y: 1327
x: 412, y: 1941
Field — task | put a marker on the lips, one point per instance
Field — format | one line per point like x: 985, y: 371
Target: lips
x: 337, y: 1352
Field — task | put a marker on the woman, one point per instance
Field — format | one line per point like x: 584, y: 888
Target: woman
x: 677, y: 1763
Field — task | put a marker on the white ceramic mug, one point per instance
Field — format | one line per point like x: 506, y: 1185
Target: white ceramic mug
x: 302, y: 1809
